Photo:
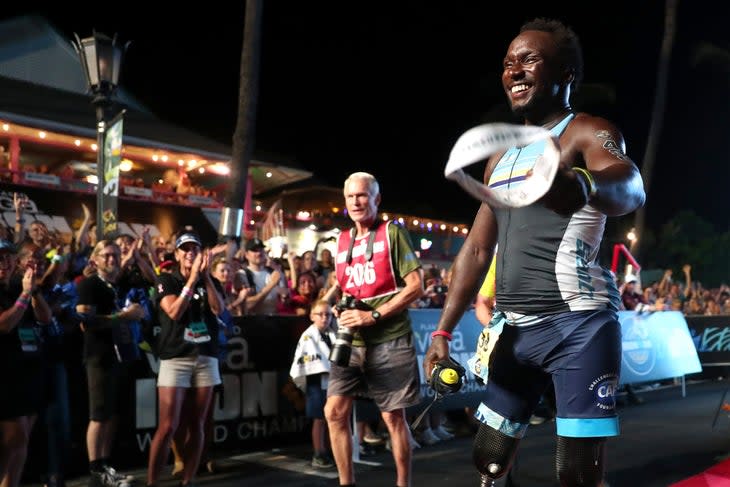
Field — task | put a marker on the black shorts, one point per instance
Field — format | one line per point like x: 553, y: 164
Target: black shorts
x: 23, y: 389
x: 105, y: 382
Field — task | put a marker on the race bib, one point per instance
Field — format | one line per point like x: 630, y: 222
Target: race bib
x: 28, y: 339
x: 479, y: 362
x: 196, y: 332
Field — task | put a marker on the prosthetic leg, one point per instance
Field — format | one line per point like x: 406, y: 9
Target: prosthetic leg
x: 580, y: 461
x: 493, y: 454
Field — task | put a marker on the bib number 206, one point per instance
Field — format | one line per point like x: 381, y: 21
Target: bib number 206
x: 359, y: 274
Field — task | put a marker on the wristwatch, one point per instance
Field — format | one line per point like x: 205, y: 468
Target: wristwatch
x: 376, y: 315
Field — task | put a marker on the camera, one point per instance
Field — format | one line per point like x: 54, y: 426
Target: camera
x: 342, y: 348
x: 440, y: 289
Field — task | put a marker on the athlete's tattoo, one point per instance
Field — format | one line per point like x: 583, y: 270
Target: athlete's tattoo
x: 610, y: 145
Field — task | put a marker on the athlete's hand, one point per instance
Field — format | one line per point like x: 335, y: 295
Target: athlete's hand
x: 568, y: 193
x: 438, y: 351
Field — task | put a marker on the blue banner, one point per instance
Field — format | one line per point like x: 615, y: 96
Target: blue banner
x: 462, y: 347
x: 656, y: 346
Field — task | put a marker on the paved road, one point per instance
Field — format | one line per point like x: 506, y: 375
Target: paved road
x: 664, y: 440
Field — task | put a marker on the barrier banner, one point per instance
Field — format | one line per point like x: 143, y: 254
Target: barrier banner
x: 462, y: 347
x: 258, y: 402
x: 261, y: 406
x: 711, y: 336
x: 656, y: 346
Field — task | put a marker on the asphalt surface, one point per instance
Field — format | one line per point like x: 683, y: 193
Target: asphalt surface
x: 664, y: 440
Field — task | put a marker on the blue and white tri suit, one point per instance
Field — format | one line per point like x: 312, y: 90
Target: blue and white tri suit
x: 560, y: 307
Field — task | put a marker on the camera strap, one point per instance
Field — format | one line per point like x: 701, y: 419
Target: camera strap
x: 418, y: 420
x: 371, y: 242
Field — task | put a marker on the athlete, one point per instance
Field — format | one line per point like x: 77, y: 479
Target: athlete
x: 560, y: 305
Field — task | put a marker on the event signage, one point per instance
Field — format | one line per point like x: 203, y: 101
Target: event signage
x: 40, y: 178
x: 259, y: 401
x: 110, y: 183
x: 711, y: 336
x: 656, y: 346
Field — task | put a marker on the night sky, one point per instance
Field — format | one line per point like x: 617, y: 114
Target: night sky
x: 388, y: 87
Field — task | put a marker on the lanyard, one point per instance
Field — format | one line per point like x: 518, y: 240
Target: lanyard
x: 369, y: 248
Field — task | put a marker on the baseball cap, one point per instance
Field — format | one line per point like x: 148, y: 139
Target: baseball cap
x: 255, y: 244
x: 7, y: 245
x: 630, y: 279
x: 187, y: 237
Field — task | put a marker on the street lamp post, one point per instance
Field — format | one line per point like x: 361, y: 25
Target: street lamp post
x: 101, y: 60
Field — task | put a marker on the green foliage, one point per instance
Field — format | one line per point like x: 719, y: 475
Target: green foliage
x: 689, y: 239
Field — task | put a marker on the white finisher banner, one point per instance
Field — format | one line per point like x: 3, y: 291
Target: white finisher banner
x: 482, y: 141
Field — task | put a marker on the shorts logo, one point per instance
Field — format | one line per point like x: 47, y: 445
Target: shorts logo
x: 604, y: 387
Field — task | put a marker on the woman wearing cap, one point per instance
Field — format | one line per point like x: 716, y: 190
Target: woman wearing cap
x: 188, y: 303
x: 21, y: 307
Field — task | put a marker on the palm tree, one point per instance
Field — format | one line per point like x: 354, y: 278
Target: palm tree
x: 657, y: 118
x: 244, y: 136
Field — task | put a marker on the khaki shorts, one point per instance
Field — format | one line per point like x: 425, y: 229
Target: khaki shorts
x: 386, y: 372
x: 187, y: 372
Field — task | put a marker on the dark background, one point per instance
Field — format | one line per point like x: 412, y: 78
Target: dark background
x: 388, y: 87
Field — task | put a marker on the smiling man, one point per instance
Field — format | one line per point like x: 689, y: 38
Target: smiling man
x: 559, y: 303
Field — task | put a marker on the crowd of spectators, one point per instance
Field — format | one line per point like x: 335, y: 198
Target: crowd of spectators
x: 668, y: 294
x: 248, y: 279
x: 250, y: 282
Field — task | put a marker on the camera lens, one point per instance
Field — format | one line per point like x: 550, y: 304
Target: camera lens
x: 342, y: 348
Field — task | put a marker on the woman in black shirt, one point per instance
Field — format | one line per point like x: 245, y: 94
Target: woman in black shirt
x: 187, y: 305
x: 21, y: 308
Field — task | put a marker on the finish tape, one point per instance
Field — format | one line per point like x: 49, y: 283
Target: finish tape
x: 482, y: 141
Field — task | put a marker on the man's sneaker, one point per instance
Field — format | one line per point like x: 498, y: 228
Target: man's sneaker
x: 535, y: 419
x: 104, y: 479
x: 428, y: 438
x: 414, y: 444
x: 321, y: 462
x: 118, y: 475
x: 443, y: 434
x: 373, y: 439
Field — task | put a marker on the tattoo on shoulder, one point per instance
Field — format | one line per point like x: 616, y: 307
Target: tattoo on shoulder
x: 610, y: 145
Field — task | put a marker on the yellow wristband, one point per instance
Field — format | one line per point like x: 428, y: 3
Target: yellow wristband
x: 592, y: 189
